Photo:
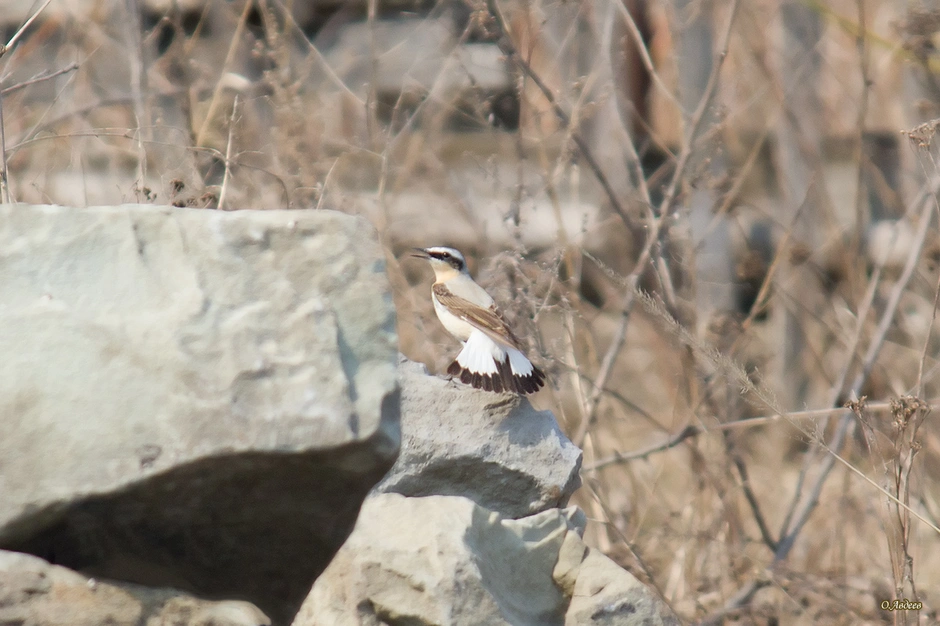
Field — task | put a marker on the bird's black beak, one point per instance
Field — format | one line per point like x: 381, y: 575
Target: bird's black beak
x: 420, y: 253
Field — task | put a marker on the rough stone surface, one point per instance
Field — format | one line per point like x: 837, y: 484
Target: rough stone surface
x: 192, y: 399
x: 35, y: 593
x: 604, y: 594
x: 443, y: 560
x: 492, y: 448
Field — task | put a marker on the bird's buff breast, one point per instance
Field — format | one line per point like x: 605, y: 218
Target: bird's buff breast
x: 454, y: 325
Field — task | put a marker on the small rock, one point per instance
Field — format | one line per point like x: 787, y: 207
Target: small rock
x: 35, y: 593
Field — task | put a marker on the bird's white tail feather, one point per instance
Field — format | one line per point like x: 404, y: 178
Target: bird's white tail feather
x: 521, y: 366
x: 480, y: 354
x: 487, y: 365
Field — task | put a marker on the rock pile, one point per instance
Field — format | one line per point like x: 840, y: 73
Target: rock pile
x: 195, y: 405
x: 466, y: 528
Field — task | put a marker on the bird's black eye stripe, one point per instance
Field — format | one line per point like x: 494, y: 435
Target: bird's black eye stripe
x: 448, y: 258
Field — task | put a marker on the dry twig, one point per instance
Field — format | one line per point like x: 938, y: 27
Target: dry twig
x: 226, y: 177
x: 5, y: 194
x: 656, y: 230
x: 845, y: 426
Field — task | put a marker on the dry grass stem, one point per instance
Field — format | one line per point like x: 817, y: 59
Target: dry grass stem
x: 606, y: 168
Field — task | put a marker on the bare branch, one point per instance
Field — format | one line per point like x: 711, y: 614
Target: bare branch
x: 749, y: 494
x: 16, y: 36
x: 226, y: 177
x: 4, y: 177
x: 5, y: 195
x: 742, y: 597
x: 846, y: 422
x: 657, y: 227
x: 229, y: 57
x: 38, y: 79
x: 508, y: 47
x: 644, y: 52
x: 693, y: 431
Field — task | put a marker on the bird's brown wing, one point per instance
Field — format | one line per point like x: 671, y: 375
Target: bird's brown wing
x: 488, y: 320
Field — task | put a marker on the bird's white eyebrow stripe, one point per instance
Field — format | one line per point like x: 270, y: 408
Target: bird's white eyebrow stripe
x: 443, y: 253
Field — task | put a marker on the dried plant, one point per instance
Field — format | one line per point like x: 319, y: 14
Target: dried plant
x: 740, y: 458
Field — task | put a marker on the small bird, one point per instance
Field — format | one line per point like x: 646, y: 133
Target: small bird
x: 492, y: 357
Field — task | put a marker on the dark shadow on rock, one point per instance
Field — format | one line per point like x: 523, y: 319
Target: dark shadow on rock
x: 490, y: 485
x: 253, y: 526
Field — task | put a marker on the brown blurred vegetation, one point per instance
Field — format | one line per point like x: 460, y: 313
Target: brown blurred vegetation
x: 714, y: 221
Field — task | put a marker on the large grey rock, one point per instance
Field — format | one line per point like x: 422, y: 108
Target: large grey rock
x: 492, y: 448
x: 192, y: 399
x: 35, y: 593
x: 443, y: 560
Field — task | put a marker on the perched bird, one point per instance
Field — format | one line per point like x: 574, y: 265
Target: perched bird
x: 492, y: 357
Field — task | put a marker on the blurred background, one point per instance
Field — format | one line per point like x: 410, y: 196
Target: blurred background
x: 714, y: 223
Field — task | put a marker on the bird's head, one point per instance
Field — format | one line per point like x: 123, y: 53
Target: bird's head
x: 446, y: 262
